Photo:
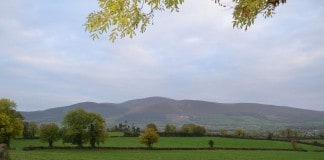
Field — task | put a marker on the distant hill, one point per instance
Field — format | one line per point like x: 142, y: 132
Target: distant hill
x: 162, y: 110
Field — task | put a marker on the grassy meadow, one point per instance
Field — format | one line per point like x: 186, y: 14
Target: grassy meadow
x: 179, y: 142
x: 19, y: 154
x: 162, y: 155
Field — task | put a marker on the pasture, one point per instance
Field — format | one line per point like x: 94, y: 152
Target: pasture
x: 167, y: 155
x: 88, y: 154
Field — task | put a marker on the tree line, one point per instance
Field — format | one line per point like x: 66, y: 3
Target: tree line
x: 80, y: 127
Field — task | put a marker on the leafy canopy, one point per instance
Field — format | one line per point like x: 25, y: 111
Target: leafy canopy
x: 170, y: 128
x: 123, y: 18
x: 149, y: 137
x: 10, y: 121
x: 193, y: 129
x: 152, y: 125
x: 80, y: 127
x: 49, y: 133
x: 30, y: 129
x: 97, y: 130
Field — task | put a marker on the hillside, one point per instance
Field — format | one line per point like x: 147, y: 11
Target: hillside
x: 213, y: 115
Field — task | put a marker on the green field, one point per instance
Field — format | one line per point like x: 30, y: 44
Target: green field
x: 18, y: 154
x: 181, y: 142
x: 161, y: 155
x: 114, y: 134
x: 203, y: 142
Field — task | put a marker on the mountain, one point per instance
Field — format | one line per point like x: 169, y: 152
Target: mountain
x: 56, y: 115
x: 162, y: 110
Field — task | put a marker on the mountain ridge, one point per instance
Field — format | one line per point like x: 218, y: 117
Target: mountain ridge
x: 163, y: 110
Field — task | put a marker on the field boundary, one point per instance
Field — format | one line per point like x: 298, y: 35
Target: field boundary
x: 315, y: 143
x: 318, y: 150
x: 30, y: 148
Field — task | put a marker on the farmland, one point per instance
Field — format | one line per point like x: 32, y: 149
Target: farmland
x: 173, y: 142
x: 170, y: 155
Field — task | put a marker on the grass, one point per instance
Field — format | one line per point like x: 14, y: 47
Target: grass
x: 18, y: 154
x: 181, y: 142
x: 114, y: 134
x: 203, y: 142
x: 156, y: 155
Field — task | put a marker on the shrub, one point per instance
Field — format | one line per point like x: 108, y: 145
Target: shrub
x: 239, y: 132
x: 193, y: 130
x: 211, y: 143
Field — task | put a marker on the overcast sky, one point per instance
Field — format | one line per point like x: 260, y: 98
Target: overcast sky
x: 48, y: 60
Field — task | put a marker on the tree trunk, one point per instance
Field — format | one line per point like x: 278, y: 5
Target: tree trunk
x: 93, y: 142
x: 6, y: 140
x: 150, y: 145
x: 4, y: 152
x: 50, y: 143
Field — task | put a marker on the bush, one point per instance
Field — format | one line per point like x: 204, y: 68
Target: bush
x: 211, y: 143
x: 193, y: 130
x: 132, y: 134
x: 239, y: 132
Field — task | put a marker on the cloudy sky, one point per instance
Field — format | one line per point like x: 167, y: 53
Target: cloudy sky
x: 48, y: 60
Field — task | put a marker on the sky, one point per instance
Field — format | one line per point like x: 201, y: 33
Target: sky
x: 48, y: 60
